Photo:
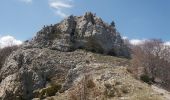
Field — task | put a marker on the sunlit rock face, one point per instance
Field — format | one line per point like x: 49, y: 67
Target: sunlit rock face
x: 86, y: 32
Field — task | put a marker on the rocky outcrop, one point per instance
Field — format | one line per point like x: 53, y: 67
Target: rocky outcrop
x: 52, y: 61
x: 31, y: 69
x: 88, y: 32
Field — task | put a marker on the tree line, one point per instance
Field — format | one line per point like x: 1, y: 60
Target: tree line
x: 151, y: 62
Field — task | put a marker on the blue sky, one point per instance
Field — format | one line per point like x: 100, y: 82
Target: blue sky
x: 135, y: 19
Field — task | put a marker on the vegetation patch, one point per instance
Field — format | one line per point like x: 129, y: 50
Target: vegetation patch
x: 49, y: 91
x: 115, y: 90
x: 90, y: 84
x: 145, y: 78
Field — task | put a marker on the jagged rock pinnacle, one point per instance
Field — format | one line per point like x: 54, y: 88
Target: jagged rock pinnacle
x: 88, y: 32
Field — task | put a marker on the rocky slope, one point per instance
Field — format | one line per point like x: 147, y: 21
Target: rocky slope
x: 58, y: 65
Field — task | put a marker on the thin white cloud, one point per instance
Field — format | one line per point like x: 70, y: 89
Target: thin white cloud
x: 27, y: 1
x: 9, y: 41
x: 60, y: 6
x: 60, y: 13
x: 136, y: 41
x: 124, y: 37
x: 140, y: 41
x: 167, y: 43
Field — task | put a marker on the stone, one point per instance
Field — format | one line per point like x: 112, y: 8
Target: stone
x: 87, y: 32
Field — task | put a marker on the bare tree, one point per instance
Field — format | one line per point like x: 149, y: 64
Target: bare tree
x: 152, y: 60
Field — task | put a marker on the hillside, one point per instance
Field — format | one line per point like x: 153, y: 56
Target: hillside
x: 102, y: 78
x: 80, y: 58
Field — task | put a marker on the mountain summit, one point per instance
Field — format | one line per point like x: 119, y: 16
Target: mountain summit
x: 86, y: 32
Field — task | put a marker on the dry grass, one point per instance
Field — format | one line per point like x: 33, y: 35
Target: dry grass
x: 122, y: 86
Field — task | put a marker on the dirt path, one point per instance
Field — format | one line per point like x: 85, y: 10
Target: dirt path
x: 162, y: 92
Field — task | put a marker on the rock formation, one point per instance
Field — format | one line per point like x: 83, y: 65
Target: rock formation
x: 88, y: 32
x: 57, y: 63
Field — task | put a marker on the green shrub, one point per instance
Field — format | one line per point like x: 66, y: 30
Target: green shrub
x: 147, y: 79
x: 93, y: 46
x: 50, y: 91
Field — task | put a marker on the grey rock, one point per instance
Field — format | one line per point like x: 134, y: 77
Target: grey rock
x: 88, y: 32
x: 47, y: 57
x: 27, y: 70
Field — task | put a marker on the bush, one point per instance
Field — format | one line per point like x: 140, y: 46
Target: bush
x: 50, y: 91
x: 90, y: 84
x: 147, y: 79
x: 93, y: 46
